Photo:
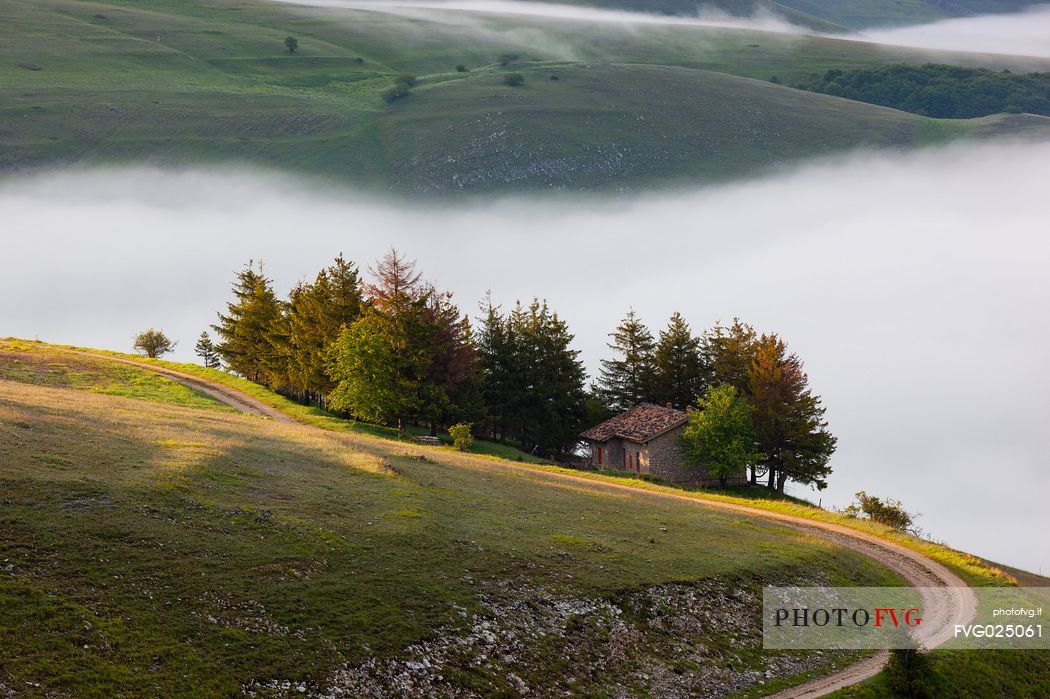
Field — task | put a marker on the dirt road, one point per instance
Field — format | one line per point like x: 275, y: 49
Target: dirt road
x: 224, y: 394
x: 947, y: 600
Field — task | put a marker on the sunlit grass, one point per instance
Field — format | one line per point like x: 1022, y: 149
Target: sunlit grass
x: 972, y: 569
x: 151, y: 528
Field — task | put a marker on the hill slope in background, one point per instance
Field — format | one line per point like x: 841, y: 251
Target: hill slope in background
x: 208, y: 81
x: 149, y: 547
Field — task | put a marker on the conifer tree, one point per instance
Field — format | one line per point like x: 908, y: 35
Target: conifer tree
x: 451, y: 391
x: 679, y: 366
x: 245, y: 330
x: 205, y: 349
x: 381, y: 360
x: 629, y: 378
x: 317, y: 314
x: 790, y: 429
x: 533, y: 379
x: 728, y: 353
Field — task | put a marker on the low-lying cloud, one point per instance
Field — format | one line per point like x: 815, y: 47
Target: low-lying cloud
x: 1021, y: 34
x: 914, y: 287
x: 762, y: 20
x: 1024, y: 34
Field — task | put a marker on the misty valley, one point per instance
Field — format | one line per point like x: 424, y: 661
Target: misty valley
x: 477, y: 348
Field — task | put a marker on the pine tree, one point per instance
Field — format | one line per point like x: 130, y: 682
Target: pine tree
x: 317, y: 314
x: 452, y: 364
x: 533, y: 381
x: 728, y: 353
x: 679, y: 366
x: 205, y: 349
x: 245, y: 331
x: 790, y: 429
x: 496, y: 358
x: 629, y: 378
x: 381, y: 361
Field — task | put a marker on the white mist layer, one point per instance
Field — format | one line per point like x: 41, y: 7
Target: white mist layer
x: 1020, y: 34
x: 914, y: 287
x: 761, y: 21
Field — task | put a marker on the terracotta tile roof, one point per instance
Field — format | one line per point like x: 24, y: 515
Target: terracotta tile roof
x: 639, y: 424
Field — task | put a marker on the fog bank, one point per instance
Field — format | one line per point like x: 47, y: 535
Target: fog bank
x: 1021, y: 34
x: 914, y: 287
x: 705, y: 17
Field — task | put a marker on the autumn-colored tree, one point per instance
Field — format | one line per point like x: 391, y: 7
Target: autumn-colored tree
x: 788, y: 418
x: 380, y: 361
x: 407, y: 356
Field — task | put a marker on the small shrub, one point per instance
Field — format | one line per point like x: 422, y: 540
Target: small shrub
x: 406, y: 79
x: 153, y: 343
x: 513, y: 79
x: 358, y: 61
x: 775, y: 80
x: 461, y: 68
x: 889, y: 512
x: 395, y: 93
x: 292, y: 43
x: 505, y: 59
x: 461, y: 436
x: 910, y: 673
x: 555, y: 77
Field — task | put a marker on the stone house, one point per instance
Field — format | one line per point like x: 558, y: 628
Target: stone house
x: 645, y: 439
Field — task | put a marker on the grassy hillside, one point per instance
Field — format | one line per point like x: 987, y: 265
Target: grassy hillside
x: 42, y: 364
x: 199, y: 81
x: 156, y: 548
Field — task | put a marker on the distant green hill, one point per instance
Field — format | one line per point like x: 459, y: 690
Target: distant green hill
x: 205, y: 81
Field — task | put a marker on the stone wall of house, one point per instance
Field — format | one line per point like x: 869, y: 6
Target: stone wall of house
x: 613, y: 456
x: 661, y: 457
x: 667, y: 461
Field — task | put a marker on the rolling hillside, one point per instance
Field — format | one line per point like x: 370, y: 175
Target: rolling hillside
x: 154, y: 544
x: 150, y: 545
x: 201, y: 81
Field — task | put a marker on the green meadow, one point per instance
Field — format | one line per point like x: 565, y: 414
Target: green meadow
x: 155, y: 548
x: 602, y: 106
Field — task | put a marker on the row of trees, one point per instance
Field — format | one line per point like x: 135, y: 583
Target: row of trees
x: 755, y: 407
x: 943, y: 91
x: 394, y: 349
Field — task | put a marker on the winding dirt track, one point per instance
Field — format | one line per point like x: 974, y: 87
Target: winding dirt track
x: 947, y: 600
